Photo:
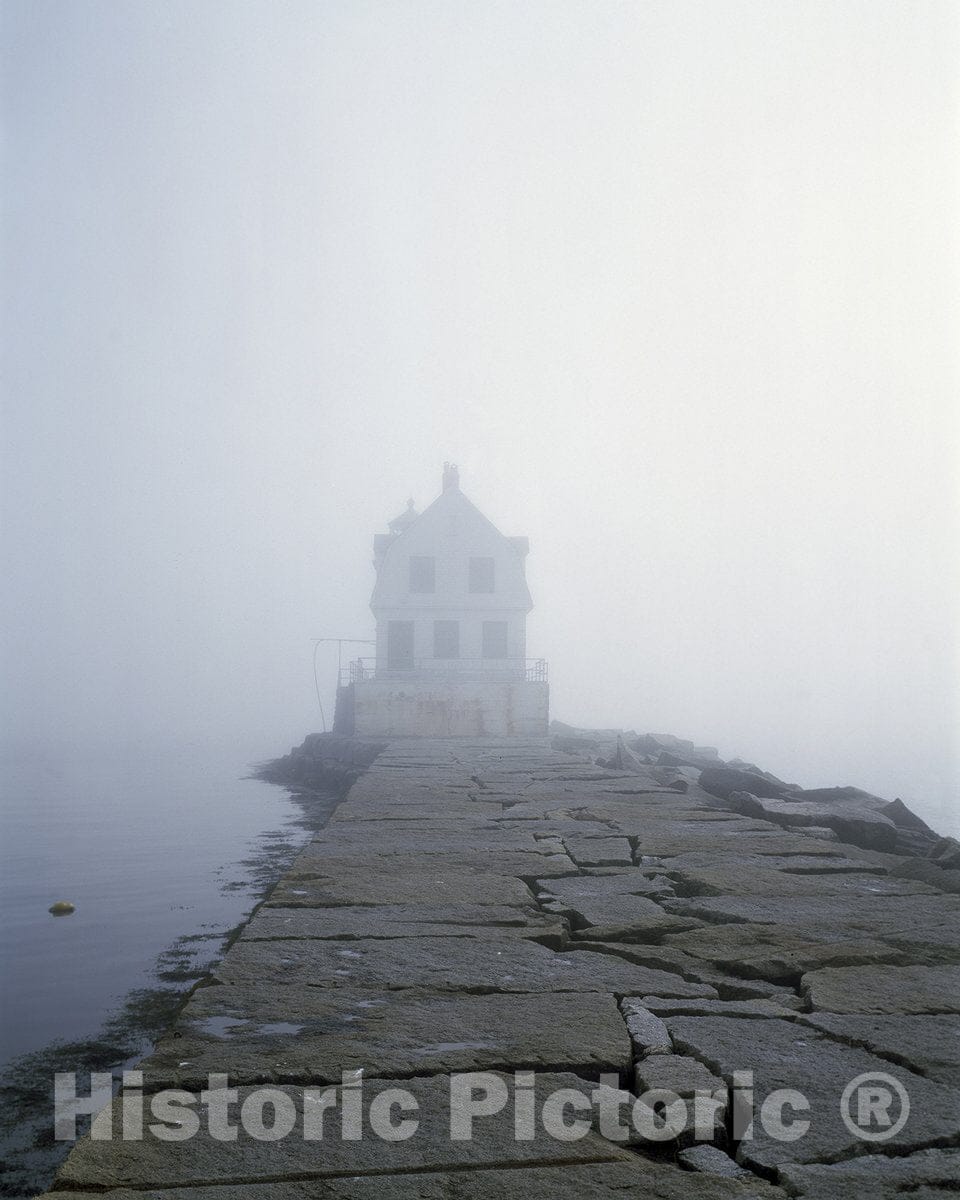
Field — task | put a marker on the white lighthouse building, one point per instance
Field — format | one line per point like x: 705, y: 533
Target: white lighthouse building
x: 451, y: 603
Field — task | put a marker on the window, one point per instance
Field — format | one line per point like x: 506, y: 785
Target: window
x: 423, y: 575
x: 481, y: 574
x: 446, y: 639
x: 400, y: 645
x: 494, y: 639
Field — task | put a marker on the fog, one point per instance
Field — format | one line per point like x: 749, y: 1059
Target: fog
x: 675, y: 284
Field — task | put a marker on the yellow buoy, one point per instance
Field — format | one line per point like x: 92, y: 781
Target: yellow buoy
x: 62, y: 908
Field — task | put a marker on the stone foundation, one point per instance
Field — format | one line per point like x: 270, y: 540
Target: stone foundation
x: 436, y: 709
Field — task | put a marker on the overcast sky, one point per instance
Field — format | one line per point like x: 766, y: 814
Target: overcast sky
x: 676, y: 284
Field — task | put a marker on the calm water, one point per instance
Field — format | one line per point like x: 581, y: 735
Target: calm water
x: 149, y: 844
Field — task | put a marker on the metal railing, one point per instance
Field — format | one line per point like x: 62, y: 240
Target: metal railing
x: 448, y: 670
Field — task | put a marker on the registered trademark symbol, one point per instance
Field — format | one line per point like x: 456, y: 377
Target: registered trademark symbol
x: 875, y: 1106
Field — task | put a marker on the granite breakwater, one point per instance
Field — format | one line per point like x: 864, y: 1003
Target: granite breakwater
x: 626, y: 923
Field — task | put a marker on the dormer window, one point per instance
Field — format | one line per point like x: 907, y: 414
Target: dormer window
x: 481, y: 575
x: 423, y: 574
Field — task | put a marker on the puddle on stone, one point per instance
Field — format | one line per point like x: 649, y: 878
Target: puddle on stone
x: 219, y: 1026
x: 350, y: 954
x: 223, y: 1027
x: 444, y: 1047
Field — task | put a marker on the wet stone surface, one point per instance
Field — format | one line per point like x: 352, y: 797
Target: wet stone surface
x: 501, y: 906
x: 926, y: 1174
x: 469, y: 965
x: 403, y: 921
x: 901, y: 989
x: 629, y: 1176
x: 928, y: 1045
x: 247, y: 1159
x: 784, y: 1055
x: 288, y: 1033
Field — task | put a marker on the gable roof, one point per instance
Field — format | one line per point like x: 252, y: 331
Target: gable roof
x: 454, y: 500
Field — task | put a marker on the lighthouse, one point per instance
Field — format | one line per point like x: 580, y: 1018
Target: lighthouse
x: 450, y: 602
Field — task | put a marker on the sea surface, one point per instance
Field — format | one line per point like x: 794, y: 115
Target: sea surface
x: 163, y: 851
x: 150, y: 844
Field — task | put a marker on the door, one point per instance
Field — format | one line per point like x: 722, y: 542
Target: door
x: 399, y: 645
x: 446, y: 639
